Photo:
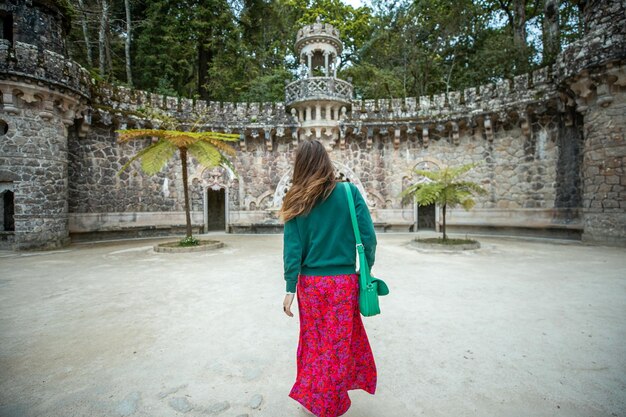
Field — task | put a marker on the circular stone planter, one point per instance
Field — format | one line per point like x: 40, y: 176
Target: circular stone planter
x: 174, y: 247
x: 433, y: 244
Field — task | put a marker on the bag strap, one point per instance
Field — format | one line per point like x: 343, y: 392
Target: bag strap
x: 355, y: 224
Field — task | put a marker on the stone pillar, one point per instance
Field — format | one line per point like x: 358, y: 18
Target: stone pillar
x: 309, y: 64
x: 326, y: 67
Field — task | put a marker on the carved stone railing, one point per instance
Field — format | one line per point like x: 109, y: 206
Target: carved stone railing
x: 42, y: 66
x: 318, y: 88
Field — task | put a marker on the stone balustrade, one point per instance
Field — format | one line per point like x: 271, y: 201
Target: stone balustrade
x: 41, y: 65
x: 318, y: 88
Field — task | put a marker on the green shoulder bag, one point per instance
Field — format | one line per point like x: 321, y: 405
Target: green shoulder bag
x: 369, y: 287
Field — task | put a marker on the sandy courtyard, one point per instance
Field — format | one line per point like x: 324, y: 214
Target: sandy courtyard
x: 517, y: 328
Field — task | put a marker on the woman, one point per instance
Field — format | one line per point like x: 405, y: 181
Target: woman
x: 334, y: 354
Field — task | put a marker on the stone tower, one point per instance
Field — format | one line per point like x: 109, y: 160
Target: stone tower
x: 320, y: 100
x: 592, y: 72
x: 43, y: 93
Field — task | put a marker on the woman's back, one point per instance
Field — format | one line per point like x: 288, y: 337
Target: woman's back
x: 322, y: 242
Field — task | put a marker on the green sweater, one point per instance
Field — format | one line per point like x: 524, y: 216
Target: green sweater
x: 323, y: 243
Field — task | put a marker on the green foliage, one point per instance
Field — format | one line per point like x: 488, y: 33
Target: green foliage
x: 243, y: 51
x: 269, y: 87
x: 208, y: 148
x: 189, y: 241
x: 153, y: 161
x: 444, y: 188
x: 66, y: 8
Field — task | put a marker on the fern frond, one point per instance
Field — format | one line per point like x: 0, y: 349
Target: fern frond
x: 431, y: 175
x: 471, y: 186
x: 136, y: 156
x: 154, y: 160
x: 225, y: 137
x: 206, y: 154
x: 468, y: 203
x: 224, y: 148
x: 409, y: 193
x: 429, y: 193
x: 132, y: 134
x: 226, y: 163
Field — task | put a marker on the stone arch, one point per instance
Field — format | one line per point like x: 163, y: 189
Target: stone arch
x: 425, y: 164
x: 343, y: 172
x: 215, y: 178
x: 215, y: 183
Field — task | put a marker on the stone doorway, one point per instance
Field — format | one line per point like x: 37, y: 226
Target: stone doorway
x: 427, y: 217
x: 8, y: 211
x: 216, y: 209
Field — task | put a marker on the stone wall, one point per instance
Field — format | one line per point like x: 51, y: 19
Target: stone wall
x: 43, y: 25
x: 33, y: 157
x: 100, y: 199
x: 518, y: 165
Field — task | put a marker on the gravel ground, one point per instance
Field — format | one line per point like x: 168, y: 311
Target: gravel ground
x: 516, y: 328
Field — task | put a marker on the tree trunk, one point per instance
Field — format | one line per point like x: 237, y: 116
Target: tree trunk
x: 205, y: 56
x: 129, y: 76
x: 183, y: 160
x: 445, y: 236
x: 551, y: 35
x: 519, y: 33
x: 102, y: 38
x: 83, y: 22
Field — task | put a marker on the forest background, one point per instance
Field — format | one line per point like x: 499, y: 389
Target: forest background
x: 242, y: 50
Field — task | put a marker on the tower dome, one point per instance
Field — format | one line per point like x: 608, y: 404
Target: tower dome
x: 320, y: 100
x: 319, y: 45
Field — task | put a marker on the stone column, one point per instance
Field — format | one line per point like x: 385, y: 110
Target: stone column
x: 326, y: 67
x: 309, y: 64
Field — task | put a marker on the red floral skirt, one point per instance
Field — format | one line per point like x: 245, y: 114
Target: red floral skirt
x: 334, y: 355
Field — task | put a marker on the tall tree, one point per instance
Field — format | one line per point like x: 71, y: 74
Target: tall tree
x: 83, y: 23
x: 103, y: 41
x: 127, y: 43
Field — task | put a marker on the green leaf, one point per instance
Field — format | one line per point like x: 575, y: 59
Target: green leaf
x: 155, y: 159
x: 135, y: 157
x: 206, y: 154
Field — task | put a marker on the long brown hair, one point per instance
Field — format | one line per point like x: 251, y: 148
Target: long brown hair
x: 313, y: 178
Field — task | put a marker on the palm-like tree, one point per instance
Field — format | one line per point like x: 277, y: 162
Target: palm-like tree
x: 208, y: 148
x: 445, y: 188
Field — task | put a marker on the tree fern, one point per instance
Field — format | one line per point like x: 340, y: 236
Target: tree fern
x: 208, y: 148
x: 152, y: 162
x: 442, y: 187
